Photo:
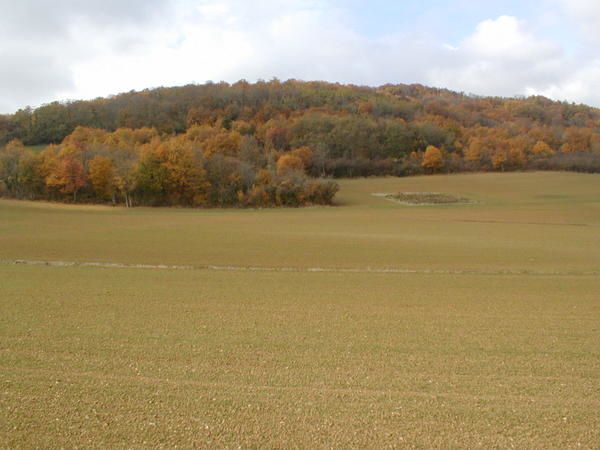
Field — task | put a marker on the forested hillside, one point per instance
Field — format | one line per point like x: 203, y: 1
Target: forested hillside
x: 256, y: 144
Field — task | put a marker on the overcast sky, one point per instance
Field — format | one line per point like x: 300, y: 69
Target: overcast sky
x: 71, y: 49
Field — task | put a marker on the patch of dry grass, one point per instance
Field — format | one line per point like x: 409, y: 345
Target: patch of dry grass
x: 425, y: 198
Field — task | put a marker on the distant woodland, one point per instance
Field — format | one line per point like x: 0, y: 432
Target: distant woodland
x: 278, y: 143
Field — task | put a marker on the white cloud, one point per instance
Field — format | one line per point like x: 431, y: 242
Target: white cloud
x: 501, y: 57
x: 586, y: 16
x: 304, y: 40
x: 71, y: 49
x: 41, y: 41
x: 506, y: 38
x: 578, y: 86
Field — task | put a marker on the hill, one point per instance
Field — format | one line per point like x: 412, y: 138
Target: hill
x: 256, y: 144
x: 346, y: 121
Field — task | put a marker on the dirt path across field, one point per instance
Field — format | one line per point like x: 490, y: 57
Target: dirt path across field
x: 231, y: 268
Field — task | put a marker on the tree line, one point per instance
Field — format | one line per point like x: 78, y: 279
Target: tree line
x: 240, y: 137
x: 204, y: 167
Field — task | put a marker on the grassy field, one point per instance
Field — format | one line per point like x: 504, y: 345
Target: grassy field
x: 484, y: 332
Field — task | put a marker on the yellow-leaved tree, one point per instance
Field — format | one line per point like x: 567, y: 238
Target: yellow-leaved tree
x: 541, y: 149
x: 433, y: 159
x: 101, y: 176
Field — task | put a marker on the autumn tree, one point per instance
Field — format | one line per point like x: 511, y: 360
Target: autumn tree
x: 577, y: 139
x: 185, y: 175
x: 289, y: 163
x: 102, y: 177
x: 69, y: 177
x: 31, y: 177
x: 224, y: 143
x: 277, y: 135
x: 517, y: 152
x: 474, y: 151
x: 199, y: 134
x: 567, y: 148
x: 306, y: 154
x: 499, y: 159
x: 151, y: 176
x: 84, y: 137
x: 10, y: 159
x: 227, y: 177
x: 433, y: 159
x: 125, y: 166
x: 541, y: 149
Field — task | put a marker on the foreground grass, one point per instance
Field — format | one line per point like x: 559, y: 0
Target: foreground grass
x: 123, y: 357
x: 104, y: 357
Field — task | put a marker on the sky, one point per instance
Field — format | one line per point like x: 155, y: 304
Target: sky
x: 81, y: 49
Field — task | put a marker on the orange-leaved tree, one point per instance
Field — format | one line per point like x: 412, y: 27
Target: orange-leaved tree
x: 69, y: 176
x: 289, y: 163
x: 433, y: 159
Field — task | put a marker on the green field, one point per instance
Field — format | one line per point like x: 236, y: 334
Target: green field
x: 368, y: 324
